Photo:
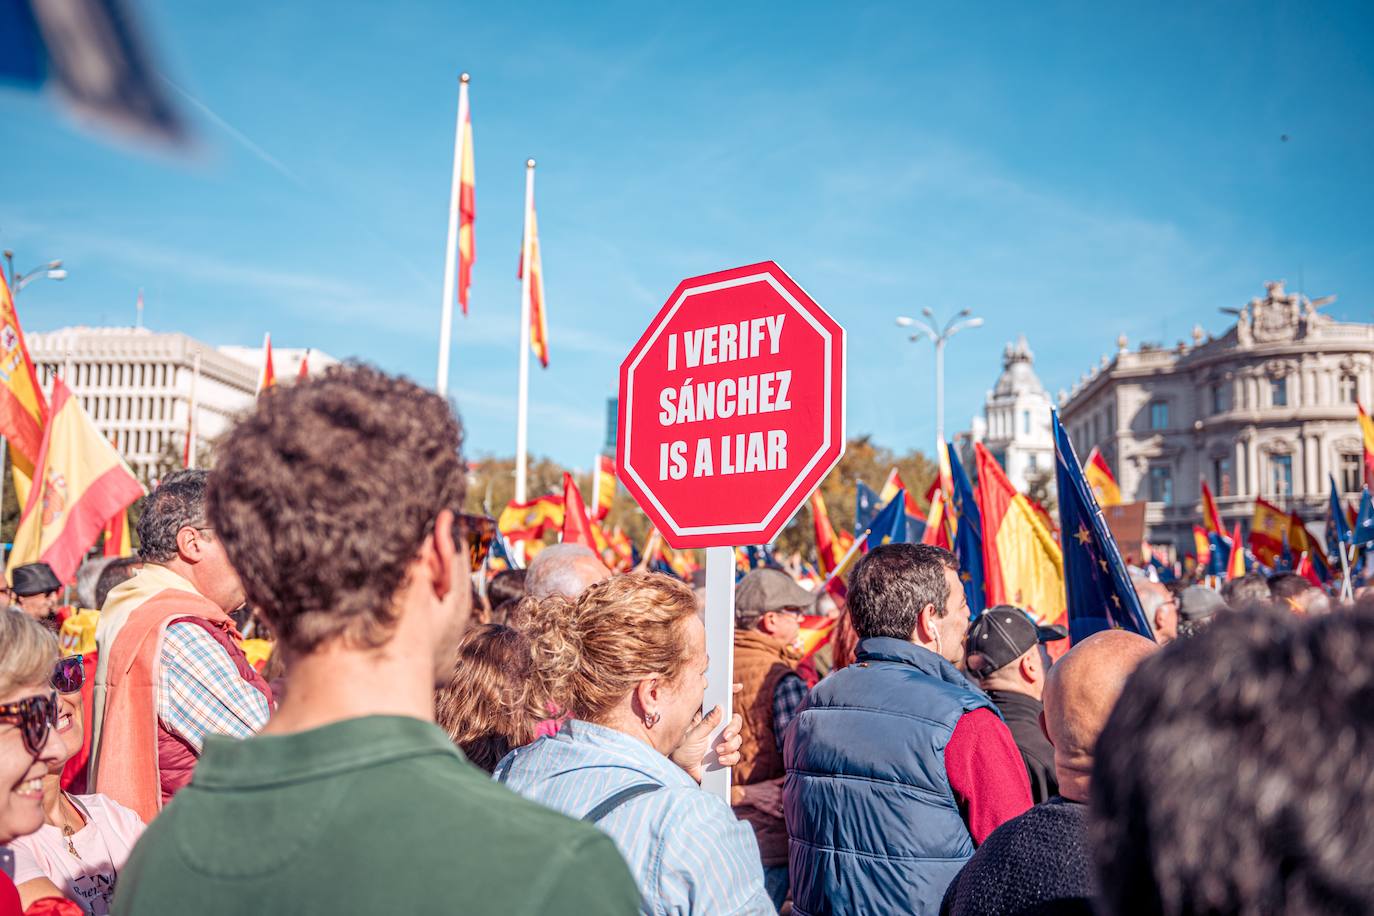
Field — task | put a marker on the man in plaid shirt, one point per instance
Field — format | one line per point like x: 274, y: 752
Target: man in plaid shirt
x: 170, y: 668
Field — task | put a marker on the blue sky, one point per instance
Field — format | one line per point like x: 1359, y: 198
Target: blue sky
x: 1069, y: 171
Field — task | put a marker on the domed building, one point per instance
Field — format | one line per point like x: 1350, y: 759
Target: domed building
x: 1015, y: 426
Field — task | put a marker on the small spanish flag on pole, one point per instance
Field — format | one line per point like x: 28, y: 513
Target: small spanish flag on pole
x: 1367, y: 434
x: 533, y: 331
x: 23, y: 411
x: 461, y: 245
x: 1235, y: 569
x: 268, y: 376
x: 1101, y: 479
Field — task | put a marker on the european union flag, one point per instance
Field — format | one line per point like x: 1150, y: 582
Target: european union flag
x: 968, y: 540
x: 1338, y: 533
x: 1364, y: 522
x: 889, y: 526
x: 1099, y: 591
x: 1220, y: 560
x: 866, y: 506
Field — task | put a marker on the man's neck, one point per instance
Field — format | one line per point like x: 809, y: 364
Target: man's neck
x: 336, y: 683
x: 1008, y: 686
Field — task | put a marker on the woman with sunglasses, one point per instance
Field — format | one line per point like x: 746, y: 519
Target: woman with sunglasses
x: 84, y: 839
x: 29, y: 744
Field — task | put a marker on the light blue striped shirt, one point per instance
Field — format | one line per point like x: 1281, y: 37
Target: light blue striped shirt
x: 685, y: 847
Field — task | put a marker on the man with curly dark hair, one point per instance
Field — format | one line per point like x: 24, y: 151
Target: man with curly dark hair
x: 336, y: 499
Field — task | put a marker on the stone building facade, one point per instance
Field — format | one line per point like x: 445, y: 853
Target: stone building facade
x: 136, y: 385
x: 1267, y: 409
x: 1015, y: 426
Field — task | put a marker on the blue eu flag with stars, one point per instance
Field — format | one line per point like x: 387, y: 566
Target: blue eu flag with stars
x: 968, y: 540
x: 866, y: 506
x: 1099, y: 591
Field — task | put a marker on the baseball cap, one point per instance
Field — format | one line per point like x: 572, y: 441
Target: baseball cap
x: 999, y: 637
x: 764, y: 590
x: 1198, y: 603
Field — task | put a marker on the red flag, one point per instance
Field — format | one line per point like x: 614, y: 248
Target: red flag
x: 268, y: 378
x: 603, y: 487
x: 117, y: 536
x: 1022, y: 564
x: 1211, y: 518
x: 577, y: 527
x: 303, y: 372
x: 1236, y: 568
x: 1367, y: 436
x: 889, y: 490
x: 1203, y: 545
x: 830, y: 547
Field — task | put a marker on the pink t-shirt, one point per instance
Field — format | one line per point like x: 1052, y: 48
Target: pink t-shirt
x: 103, y: 845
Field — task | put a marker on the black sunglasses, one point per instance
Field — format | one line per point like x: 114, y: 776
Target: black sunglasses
x: 35, y: 716
x: 69, y: 674
x: 480, y: 531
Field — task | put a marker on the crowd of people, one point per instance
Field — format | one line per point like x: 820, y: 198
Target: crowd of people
x: 425, y: 739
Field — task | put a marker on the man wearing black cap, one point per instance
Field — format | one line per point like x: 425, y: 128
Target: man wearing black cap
x: 768, y: 612
x: 1003, y: 654
x: 36, y: 589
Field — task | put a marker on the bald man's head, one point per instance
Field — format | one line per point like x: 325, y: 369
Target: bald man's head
x: 1082, y: 688
x: 564, y: 569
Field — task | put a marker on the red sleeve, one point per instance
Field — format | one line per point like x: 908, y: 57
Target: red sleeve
x: 986, y: 773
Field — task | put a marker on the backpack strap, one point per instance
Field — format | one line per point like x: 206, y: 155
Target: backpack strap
x: 503, y: 769
x: 619, y: 798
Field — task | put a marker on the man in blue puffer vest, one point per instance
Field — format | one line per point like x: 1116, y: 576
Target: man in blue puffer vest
x: 897, y: 767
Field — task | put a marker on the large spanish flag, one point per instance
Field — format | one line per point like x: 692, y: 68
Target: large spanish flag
x: 1022, y: 564
x: 82, y: 483
x: 539, y: 328
x: 1268, y: 532
x: 529, y: 520
x: 1367, y: 434
x: 467, y: 203
x: 23, y: 411
x: 1100, y: 478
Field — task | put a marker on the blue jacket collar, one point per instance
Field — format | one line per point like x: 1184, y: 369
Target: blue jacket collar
x: 901, y: 651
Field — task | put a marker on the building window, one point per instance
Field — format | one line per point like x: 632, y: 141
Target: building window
x: 1281, y: 475
x: 1161, y: 485
x: 1278, y: 392
x: 1221, y: 397
x: 1159, y: 415
x: 1031, y: 463
x: 1350, y: 389
x: 1352, y: 476
x: 1025, y: 422
x: 1221, y: 476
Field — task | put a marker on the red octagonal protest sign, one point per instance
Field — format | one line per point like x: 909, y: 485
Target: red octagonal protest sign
x: 731, y: 407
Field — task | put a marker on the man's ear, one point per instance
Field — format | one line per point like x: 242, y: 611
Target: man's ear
x: 925, y: 624
x: 1030, y: 665
x: 647, y: 696
x: 188, y: 544
x: 438, y: 554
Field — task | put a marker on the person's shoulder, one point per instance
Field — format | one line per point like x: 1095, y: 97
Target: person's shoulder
x: 1051, y: 830
x: 112, y: 810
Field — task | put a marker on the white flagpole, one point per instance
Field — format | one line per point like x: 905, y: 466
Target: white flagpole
x: 451, y: 249
x: 266, y: 354
x: 192, y: 428
x: 523, y: 393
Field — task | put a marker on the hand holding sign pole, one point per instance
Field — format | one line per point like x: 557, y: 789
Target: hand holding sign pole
x: 731, y: 413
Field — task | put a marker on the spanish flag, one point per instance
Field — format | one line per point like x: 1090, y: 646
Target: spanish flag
x: 1203, y: 545
x: 23, y: 411
x: 1022, y: 565
x: 830, y: 547
x: 528, y: 521
x: 892, y: 486
x: 268, y: 377
x: 1211, y: 518
x: 83, y: 482
x: 603, y: 487
x: 1267, y: 532
x: 467, y: 202
x: 1309, y: 551
x: 117, y: 543
x: 620, y: 544
x: 577, y: 527
x: 1236, y: 568
x: 1101, y: 480
x: 1367, y: 434
x: 529, y: 249
x: 937, y: 532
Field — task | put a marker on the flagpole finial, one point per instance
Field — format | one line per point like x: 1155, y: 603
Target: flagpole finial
x: 529, y: 163
x: 465, y: 78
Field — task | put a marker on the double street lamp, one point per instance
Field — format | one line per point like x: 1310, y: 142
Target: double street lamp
x: 929, y: 327
x: 51, y: 271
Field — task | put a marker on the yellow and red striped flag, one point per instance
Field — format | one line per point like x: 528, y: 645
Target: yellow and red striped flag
x: 23, y: 411
x: 117, y: 543
x: 1235, y: 569
x: 82, y: 483
x: 1022, y: 564
x: 467, y: 203
x: 1100, y: 478
x: 539, y: 328
x: 892, y: 486
x: 577, y: 527
x: 268, y: 377
x: 831, y: 546
x: 603, y: 487
x: 1367, y: 435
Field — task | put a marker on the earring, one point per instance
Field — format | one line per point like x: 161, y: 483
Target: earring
x: 651, y: 719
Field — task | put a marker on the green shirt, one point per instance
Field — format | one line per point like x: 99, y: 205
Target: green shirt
x: 376, y: 815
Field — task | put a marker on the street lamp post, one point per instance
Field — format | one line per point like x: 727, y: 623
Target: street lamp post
x: 929, y: 327
x: 51, y: 271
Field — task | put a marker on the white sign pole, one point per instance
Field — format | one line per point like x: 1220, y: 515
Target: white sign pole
x: 720, y: 646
